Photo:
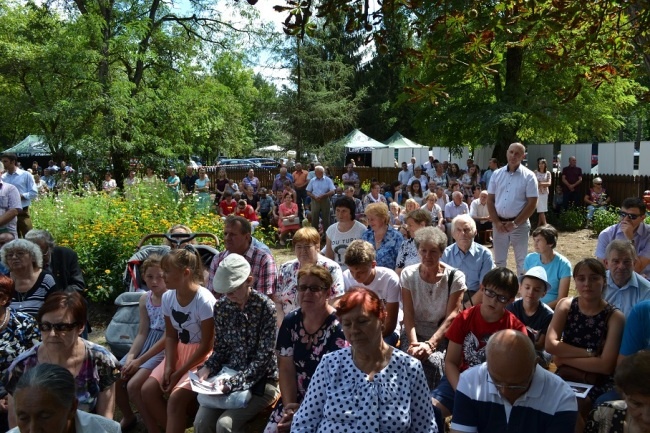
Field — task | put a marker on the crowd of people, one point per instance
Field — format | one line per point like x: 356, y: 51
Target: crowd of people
x: 389, y: 318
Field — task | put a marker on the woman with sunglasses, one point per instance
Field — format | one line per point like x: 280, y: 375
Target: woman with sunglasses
x: 61, y: 320
x: 33, y: 284
x: 306, y: 334
x: 596, y: 198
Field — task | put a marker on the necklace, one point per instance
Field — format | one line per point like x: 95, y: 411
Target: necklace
x: 5, y: 319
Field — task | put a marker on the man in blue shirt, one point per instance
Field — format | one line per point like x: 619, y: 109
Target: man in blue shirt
x: 511, y: 393
x: 24, y: 182
x: 320, y: 189
x: 625, y: 288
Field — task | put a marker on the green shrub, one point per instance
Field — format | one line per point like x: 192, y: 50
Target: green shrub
x: 603, y: 219
x: 105, y: 230
x: 573, y: 219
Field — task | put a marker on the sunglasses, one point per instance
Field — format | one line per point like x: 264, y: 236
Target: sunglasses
x: 58, y: 327
x: 313, y: 289
x: 492, y: 294
x: 631, y: 216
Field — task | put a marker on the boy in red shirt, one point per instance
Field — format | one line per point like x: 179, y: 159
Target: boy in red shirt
x: 245, y: 210
x: 227, y: 205
x: 469, y: 333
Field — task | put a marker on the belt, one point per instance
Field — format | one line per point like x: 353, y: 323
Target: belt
x: 506, y: 220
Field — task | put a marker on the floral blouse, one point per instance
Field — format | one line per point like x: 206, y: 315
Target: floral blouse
x: 389, y: 248
x: 20, y: 335
x: 99, y: 370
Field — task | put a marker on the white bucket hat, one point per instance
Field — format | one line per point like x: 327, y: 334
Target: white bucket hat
x: 539, y: 273
x: 231, y: 274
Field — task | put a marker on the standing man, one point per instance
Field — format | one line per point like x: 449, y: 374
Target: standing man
x: 404, y: 175
x: 510, y: 392
x: 24, y: 183
x: 478, y: 210
x: 350, y: 177
x: 320, y: 189
x: 512, y: 199
x: 631, y: 228
x: 412, y: 164
x: 10, y: 207
x: 571, y: 178
x: 493, y: 164
x: 300, y: 184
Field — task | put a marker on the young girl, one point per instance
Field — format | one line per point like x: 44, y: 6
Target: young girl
x: 147, y: 349
x: 189, y: 337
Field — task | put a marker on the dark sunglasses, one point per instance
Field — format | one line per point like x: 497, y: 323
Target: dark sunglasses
x: 631, y: 216
x: 313, y: 289
x: 58, y: 327
x: 492, y: 294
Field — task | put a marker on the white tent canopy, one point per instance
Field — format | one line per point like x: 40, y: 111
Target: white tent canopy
x: 358, y: 142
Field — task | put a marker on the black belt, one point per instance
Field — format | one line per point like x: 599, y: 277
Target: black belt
x: 506, y: 220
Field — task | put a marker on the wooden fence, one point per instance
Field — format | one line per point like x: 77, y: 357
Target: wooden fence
x: 617, y: 186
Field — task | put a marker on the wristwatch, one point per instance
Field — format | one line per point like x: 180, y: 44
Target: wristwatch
x: 590, y: 352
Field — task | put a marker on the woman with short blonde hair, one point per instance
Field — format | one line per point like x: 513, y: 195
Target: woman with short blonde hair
x: 386, y: 240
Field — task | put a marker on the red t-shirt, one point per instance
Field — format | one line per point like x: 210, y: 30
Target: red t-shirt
x: 247, y: 213
x: 227, y: 208
x: 472, y: 331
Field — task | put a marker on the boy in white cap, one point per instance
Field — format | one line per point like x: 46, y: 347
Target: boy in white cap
x: 531, y: 311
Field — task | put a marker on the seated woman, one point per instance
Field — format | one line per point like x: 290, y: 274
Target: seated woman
x: 585, y: 333
x: 349, y: 191
x: 386, y: 240
x: 557, y: 267
x: 45, y: 400
x: 346, y: 229
x: 306, y: 244
x: 33, y: 284
x: 374, y: 195
x: 61, y: 320
x: 596, y: 198
x: 369, y: 386
x: 18, y: 333
x: 244, y: 339
x: 288, y: 220
x: 395, y: 215
x: 408, y: 252
x: 632, y: 379
x: 306, y: 334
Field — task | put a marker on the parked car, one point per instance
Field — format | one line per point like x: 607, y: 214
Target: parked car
x: 238, y: 163
x: 265, y: 162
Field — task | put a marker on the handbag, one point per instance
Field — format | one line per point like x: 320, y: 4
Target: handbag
x: 292, y: 221
x: 232, y: 400
x: 573, y: 374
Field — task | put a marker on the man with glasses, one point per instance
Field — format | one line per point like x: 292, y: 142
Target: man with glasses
x: 470, y: 331
x: 630, y: 228
x: 510, y: 392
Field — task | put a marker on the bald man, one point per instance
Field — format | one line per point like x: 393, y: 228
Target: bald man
x: 510, y: 392
x: 512, y: 199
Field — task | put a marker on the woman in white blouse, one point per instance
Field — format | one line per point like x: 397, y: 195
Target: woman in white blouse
x: 368, y: 387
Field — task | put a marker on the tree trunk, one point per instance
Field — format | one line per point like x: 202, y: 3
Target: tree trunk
x: 510, y: 97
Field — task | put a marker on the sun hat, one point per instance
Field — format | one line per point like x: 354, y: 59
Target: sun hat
x: 231, y: 274
x: 539, y: 273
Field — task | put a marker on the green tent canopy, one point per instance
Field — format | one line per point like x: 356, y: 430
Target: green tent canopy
x: 32, y: 146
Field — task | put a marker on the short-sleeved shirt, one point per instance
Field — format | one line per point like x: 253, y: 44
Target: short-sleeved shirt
x: 480, y: 408
x: 452, y: 211
x: 254, y: 182
x: 98, y: 371
x: 20, y: 335
x: 320, y: 186
x: 641, y: 242
x: 474, y: 264
x: 625, y: 298
x: 10, y: 199
x: 571, y: 174
x: 636, y: 335
x: 287, y: 291
x: 227, y: 208
x: 558, y: 268
x: 387, y: 252
x: 430, y: 300
x: 32, y: 300
x: 404, y: 176
x: 470, y: 330
x: 423, y: 181
x: 537, y: 322
x: 478, y: 210
x: 187, y: 319
x: 512, y: 189
x: 340, y: 240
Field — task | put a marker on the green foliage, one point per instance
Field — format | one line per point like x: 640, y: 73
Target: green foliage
x: 605, y: 218
x: 573, y: 219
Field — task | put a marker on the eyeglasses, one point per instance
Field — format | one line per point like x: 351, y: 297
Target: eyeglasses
x: 313, y: 289
x: 631, y: 216
x: 492, y: 294
x: 507, y: 387
x: 17, y: 254
x: 58, y: 327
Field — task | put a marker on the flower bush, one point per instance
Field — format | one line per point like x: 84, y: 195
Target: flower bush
x: 105, y: 230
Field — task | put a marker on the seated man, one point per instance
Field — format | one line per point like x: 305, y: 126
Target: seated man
x: 479, y: 212
x: 631, y: 228
x: 471, y: 329
x: 454, y: 208
x: 532, y: 312
x: 625, y: 288
x: 510, y: 392
x: 363, y: 271
x: 470, y: 257
x: 61, y: 262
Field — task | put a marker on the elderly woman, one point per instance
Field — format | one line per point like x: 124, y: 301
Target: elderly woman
x: 18, y: 333
x: 306, y: 244
x: 306, y: 334
x: 61, y: 320
x: 288, y: 220
x: 585, y: 333
x: 343, y: 232
x: 45, y: 400
x: 386, y: 240
x: 432, y: 293
x: 557, y: 267
x: 632, y: 378
x: 358, y: 205
x: 440, y: 177
x: 596, y: 198
x: 24, y: 260
x: 408, y: 252
x: 244, y: 325
x: 367, y: 387
x: 374, y: 195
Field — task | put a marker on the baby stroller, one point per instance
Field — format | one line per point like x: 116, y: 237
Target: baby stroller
x: 123, y: 327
